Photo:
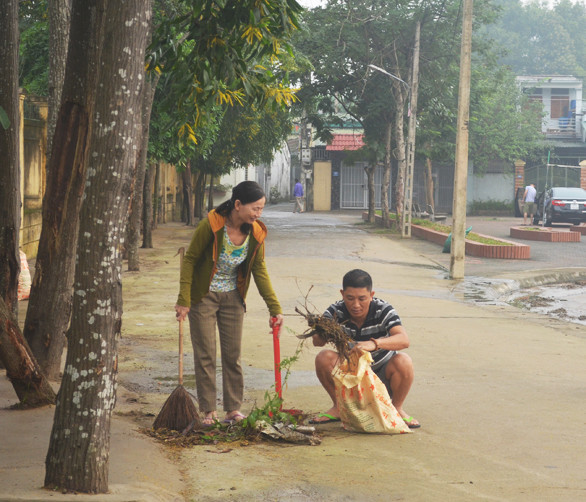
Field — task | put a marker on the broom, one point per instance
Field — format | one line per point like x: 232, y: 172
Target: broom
x: 179, y: 411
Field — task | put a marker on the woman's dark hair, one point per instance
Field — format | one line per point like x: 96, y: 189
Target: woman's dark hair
x: 357, y: 278
x: 246, y: 192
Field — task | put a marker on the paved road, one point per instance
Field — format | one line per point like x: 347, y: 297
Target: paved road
x: 544, y: 255
x: 499, y: 390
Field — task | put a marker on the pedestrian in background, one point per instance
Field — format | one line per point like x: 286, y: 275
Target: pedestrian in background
x: 529, y: 203
x: 227, y: 247
x: 298, y: 193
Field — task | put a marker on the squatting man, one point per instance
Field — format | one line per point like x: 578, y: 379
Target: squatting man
x: 375, y: 327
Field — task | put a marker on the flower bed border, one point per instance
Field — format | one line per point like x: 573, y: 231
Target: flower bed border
x: 514, y: 251
x: 546, y: 235
x: 579, y: 228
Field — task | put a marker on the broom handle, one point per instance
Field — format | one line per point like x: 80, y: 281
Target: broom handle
x: 277, y: 357
x: 180, y: 352
x: 181, y: 253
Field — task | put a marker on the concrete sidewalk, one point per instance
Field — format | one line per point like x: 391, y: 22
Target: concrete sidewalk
x: 499, y: 391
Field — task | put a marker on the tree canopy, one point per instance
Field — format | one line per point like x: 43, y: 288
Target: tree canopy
x: 538, y: 39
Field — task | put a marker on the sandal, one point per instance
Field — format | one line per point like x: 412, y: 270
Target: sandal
x: 411, y: 423
x: 209, y: 421
x: 233, y: 418
x: 324, y: 418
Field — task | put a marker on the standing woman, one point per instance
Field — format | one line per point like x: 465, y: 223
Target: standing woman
x: 227, y: 247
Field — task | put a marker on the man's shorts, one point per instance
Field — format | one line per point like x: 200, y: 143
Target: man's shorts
x: 381, y: 374
x: 529, y: 208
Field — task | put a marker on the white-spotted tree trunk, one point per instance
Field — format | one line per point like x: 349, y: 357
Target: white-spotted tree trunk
x: 78, y: 455
x: 137, y: 201
x: 49, y: 308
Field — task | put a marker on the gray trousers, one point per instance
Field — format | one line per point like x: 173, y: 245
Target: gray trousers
x: 227, y: 311
x: 298, y: 204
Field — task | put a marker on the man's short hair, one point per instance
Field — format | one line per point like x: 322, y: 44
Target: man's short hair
x: 357, y: 278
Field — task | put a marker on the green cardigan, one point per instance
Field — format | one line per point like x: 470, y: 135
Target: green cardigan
x: 200, y: 261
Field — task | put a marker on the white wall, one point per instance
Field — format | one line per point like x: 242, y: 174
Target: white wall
x: 490, y: 186
x: 277, y: 174
x: 233, y: 178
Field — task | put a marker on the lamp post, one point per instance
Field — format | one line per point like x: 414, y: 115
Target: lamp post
x: 408, y: 190
x: 412, y: 114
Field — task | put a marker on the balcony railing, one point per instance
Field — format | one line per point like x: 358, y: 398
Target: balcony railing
x: 563, y: 128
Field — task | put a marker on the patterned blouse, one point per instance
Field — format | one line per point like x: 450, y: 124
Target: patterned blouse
x: 231, y: 256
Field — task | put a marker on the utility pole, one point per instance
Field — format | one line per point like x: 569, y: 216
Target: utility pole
x: 412, y: 111
x: 458, y: 247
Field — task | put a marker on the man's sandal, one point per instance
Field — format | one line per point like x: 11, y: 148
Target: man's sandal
x: 328, y: 419
x: 410, y: 424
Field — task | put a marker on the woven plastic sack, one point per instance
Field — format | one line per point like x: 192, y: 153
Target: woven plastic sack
x: 24, y: 279
x: 363, y: 399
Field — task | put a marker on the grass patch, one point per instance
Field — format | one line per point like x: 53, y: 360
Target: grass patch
x: 438, y: 227
x: 446, y: 229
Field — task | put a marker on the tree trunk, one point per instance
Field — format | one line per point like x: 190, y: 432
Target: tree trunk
x: 136, y: 211
x: 157, y: 200
x: 187, y: 210
x: 199, y: 194
x: 49, y: 307
x: 147, y: 211
x: 9, y: 153
x: 78, y: 455
x: 31, y: 386
x: 59, y: 20
x: 211, y: 194
x: 400, y: 155
x: 386, y: 182
x: 371, y: 191
x: 429, y: 188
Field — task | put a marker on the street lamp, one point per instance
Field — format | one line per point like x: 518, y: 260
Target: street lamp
x: 408, y: 190
x: 411, y: 112
x: 377, y: 68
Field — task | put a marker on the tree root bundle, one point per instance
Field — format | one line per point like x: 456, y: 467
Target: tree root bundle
x: 329, y: 330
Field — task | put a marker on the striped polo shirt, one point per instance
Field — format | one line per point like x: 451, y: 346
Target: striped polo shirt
x: 380, y: 319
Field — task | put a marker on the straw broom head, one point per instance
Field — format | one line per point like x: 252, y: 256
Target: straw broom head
x: 178, y: 412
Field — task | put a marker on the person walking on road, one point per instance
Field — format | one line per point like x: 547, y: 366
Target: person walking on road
x: 529, y: 203
x: 227, y: 247
x: 298, y: 193
x: 375, y: 327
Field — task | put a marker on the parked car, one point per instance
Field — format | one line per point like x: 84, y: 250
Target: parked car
x: 562, y: 205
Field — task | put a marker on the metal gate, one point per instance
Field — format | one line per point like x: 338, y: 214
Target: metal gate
x: 552, y: 176
x: 354, y: 186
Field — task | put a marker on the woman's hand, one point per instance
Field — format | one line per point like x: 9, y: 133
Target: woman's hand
x: 276, y: 320
x: 181, y: 312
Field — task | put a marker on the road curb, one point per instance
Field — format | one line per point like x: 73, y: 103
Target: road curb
x: 538, y: 278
